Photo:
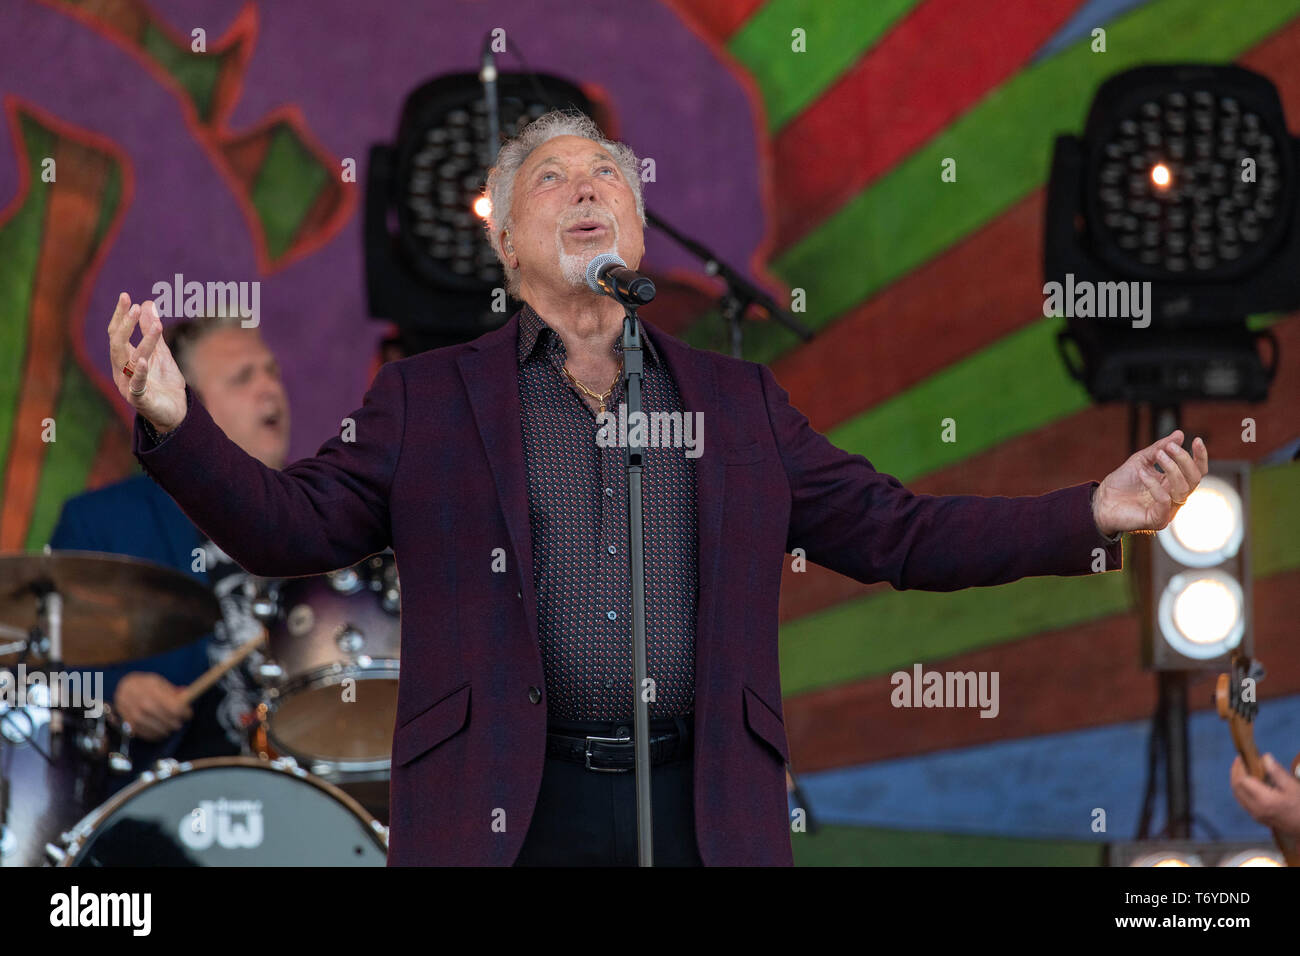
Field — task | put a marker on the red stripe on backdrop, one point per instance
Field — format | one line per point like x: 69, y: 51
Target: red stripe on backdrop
x: 1098, y: 662
x: 929, y: 69
x: 1054, y: 457
x: 1278, y: 58
x: 971, y: 295
x: 717, y: 19
x: 983, y: 288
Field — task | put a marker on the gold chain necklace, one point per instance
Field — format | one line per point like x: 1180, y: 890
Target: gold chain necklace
x: 602, y: 399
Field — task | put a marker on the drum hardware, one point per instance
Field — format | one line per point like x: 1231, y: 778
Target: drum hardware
x: 47, y: 780
x: 270, y: 673
x: 337, y: 643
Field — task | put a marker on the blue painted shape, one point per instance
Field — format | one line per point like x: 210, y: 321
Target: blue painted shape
x: 1095, y: 13
x: 1047, y: 787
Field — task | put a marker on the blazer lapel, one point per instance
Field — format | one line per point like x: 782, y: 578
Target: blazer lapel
x: 490, y: 371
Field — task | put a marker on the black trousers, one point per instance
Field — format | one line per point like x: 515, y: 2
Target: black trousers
x: 588, y: 818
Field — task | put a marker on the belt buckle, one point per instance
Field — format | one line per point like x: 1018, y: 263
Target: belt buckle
x: 607, y: 740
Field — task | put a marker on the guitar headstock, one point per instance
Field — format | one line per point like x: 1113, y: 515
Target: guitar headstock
x: 1239, y: 710
x: 1229, y: 698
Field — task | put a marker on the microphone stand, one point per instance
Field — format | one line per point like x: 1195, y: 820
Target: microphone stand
x: 739, y: 294
x: 633, y: 363
x: 488, y: 77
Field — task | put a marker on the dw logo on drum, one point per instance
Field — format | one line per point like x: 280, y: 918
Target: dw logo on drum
x: 214, y: 820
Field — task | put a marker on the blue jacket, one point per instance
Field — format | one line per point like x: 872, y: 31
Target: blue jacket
x: 135, y: 517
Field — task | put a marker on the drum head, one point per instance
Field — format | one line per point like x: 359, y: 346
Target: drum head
x: 229, y: 812
x: 325, y: 720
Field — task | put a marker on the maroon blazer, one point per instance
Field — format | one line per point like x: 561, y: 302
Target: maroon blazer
x: 436, y: 470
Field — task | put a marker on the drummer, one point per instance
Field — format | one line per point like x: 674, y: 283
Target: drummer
x: 238, y: 379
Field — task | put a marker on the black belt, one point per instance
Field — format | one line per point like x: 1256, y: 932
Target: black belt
x: 607, y: 746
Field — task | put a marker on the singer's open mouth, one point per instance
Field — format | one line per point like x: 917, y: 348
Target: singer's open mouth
x: 587, y: 229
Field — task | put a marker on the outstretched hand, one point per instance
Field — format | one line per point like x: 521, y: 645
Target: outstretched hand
x: 146, y: 374
x: 1136, y: 497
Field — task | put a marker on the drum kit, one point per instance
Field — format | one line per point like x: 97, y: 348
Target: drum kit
x: 312, y: 787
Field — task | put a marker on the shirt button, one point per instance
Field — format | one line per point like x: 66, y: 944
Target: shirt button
x: 608, y: 683
x: 612, y: 615
x: 621, y: 732
x: 612, y: 549
x: 534, y: 694
x: 609, y: 492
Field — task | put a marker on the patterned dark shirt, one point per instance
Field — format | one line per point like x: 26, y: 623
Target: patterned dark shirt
x: 577, y: 502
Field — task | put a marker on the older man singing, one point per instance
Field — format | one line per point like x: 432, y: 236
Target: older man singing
x: 479, y: 465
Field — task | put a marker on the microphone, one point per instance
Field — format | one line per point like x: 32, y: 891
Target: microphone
x: 609, y: 275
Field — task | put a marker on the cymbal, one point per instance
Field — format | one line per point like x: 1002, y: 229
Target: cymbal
x: 115, y: 608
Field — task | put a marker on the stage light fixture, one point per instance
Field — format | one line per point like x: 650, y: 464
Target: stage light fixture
x: 1185, y: 177
x: 1168, y: 858
x: 1192, y: 853
x: 1202, y: 614
x: 1209, y: 528
x: 429, y: 265
x: 1254, y: 857
x: 1197, y: 585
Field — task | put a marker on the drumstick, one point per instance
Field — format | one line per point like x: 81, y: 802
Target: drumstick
x: 215, y: 672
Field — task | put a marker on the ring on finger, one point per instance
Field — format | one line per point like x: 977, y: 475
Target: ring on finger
x: 138, y: 391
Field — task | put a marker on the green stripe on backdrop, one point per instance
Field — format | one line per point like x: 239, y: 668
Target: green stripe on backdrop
x: 79, y: 420
x: 839, y: 845
x: 108, y: 209
x: 1002, y: 148
x: 1013, y: 386
x: 195, y: 72
x: 891, y: 629
x: 836, y: 33
x: 1275, y: 519
x: 287, y: 185
x: 20, y: 249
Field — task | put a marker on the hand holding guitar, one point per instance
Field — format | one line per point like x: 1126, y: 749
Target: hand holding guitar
x: 1275, y: 803
x: 1269, y: 792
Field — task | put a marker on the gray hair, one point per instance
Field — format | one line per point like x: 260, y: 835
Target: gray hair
x: 500, y: 186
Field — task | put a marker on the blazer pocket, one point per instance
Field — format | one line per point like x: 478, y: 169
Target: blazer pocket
x: 765, y: 723
x: 426, y: 730
x: 742, y: 453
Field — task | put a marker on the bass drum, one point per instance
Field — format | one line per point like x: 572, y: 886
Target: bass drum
x: 227, y: 811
